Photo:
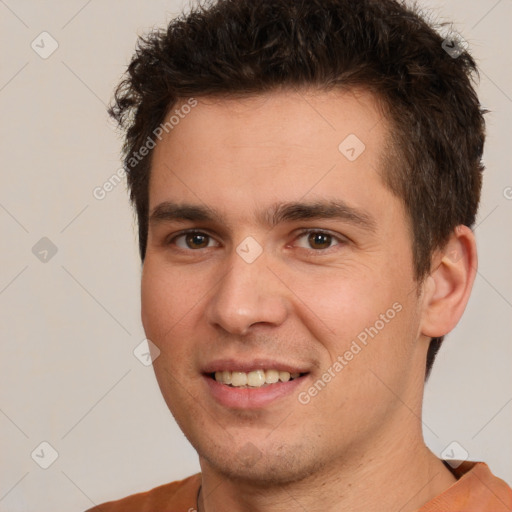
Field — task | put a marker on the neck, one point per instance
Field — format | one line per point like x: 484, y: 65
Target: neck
x: 390, y: 476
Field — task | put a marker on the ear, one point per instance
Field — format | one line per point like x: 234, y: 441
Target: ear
x: 447, y: 289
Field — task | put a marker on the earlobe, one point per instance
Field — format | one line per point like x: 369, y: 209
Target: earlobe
x: 449, y: 285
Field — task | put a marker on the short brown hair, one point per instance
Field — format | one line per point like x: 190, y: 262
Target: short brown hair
x: 245, y: 47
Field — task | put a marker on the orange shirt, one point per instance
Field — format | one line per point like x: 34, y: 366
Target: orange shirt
x: 476, y: 490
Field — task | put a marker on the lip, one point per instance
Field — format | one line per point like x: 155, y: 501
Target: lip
x: 232, y: 365
x: 251, y: 398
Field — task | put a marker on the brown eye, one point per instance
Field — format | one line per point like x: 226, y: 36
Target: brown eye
x: 196, y: 240
x: 193, y: 240
x: 319, y: 240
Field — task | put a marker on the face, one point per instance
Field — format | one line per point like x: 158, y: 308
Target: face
x: 274, y: 248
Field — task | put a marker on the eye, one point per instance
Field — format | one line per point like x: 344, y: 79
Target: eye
x: 317, y: 240
x: 193, y: 240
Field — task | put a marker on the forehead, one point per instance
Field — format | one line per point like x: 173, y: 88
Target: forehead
x: 263, y: 147
x: 281, y: 118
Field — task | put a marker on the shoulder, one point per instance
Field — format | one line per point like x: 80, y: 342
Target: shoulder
x: 179, y: 496
x: 476, y: 489
x: 488, y: 488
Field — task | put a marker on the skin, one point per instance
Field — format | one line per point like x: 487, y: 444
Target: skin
x: 358, y: 444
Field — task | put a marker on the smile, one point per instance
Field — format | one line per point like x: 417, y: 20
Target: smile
x: 253, y: 379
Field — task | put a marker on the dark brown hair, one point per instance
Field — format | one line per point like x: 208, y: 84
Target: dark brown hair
x: 245, y: 47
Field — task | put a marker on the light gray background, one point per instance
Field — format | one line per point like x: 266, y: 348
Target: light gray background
x: 70, y: 325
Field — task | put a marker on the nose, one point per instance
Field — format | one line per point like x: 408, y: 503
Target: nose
x: 249, y: 294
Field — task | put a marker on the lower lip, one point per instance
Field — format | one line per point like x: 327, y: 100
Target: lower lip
x: 251, y: 398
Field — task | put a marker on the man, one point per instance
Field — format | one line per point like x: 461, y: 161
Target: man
x: 306, y: 175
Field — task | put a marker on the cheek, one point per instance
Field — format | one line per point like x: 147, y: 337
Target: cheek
x: 163, y: 301
x: 339, y: 304
x: 167, y: 307
x: 368, y: 320
x: 153, y: 300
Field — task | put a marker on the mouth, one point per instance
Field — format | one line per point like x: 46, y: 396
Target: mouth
x: 253, y: 385
x: 254, y: 379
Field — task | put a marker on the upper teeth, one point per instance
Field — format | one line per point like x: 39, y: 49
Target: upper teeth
x: 254, y: 379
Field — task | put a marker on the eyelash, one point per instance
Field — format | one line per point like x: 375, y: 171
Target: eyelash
x: 340, y: 240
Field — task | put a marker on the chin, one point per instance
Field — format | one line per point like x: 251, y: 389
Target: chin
x: 274, y: 467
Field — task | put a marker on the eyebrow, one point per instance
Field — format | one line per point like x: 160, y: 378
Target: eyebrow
x: 169, y: 211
